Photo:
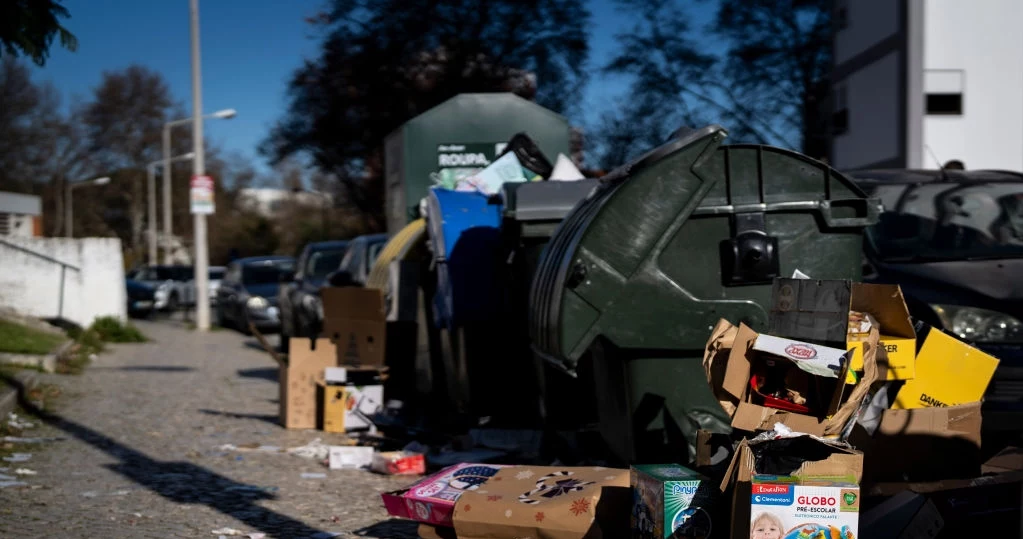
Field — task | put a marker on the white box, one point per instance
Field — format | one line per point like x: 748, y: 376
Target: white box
x: 350, y: 457
x: 780, y: 506
x: 365, y: 402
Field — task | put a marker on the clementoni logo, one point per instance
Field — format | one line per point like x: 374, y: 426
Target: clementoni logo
x: 801, y: 351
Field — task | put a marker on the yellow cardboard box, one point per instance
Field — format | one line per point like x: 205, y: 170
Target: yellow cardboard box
x: 886, y: 304
x: 949, y: 372
x: 333, y: 407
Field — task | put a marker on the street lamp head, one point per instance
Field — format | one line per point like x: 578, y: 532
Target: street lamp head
x: 101, y: 181
x: 186, y: 156
x: 225, y: 114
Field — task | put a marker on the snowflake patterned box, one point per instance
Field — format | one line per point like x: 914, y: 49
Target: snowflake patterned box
x: 432, y: 500
x: 547, y: 502
x: 670, y: 501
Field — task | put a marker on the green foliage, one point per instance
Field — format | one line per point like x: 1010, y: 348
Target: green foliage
x: 29, y: 26
x: 19, y: 339
x: 110, y: 329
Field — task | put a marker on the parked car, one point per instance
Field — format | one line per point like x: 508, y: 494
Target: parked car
x: 358, y: 260
x: 174, y: 285
x: 299, y: 295
x: 141, y: 298
x: 216, y: 275
x: 953, y: 241
x: 249, y: 290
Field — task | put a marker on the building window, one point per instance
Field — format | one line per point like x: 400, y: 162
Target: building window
x: 841, y: 15
x: 840, y: 110
x: 943, y: 90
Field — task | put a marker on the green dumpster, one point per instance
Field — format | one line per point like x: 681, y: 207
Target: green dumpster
x: 639, y: 272
x: 456, y: 138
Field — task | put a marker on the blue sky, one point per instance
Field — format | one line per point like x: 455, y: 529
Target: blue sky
x: 249, y: 50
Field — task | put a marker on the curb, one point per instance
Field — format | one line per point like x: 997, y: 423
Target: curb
x: 23, y: 382
x: 43, y: 362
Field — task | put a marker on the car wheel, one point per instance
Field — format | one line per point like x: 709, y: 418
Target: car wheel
x: 222, y: 320
x: 172, y: 303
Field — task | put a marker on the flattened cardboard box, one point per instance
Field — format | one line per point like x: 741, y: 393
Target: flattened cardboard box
x: 922, y: 444
x: 299, y: 378
x: 354, y: 319
x: 546, y: 502
x: 949, y: 372
x: 817, y: 311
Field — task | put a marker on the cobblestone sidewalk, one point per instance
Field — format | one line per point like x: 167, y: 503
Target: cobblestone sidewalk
x: 141, y: 456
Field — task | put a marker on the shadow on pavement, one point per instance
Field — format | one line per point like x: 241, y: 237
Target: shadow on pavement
x: 254, y: 344
x: 181, y: 481
x: 390, y: 529
x: 147, y: 368
x: 275, y: 419
x: 266, y: 373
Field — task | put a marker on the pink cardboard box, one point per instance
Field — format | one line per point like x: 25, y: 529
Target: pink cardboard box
x: 432, y: 500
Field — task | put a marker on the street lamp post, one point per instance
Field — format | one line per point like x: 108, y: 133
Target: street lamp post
x: 202, y: 295
x: 68, y: 212
x: 151, y: 188
x: 225, y: 114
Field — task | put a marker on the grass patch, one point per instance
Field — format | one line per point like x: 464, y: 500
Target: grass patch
x: 110, y: 329
x: 19, y: 339
x: 87, y: 343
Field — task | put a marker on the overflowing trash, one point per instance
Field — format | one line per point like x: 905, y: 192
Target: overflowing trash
x: 820, y: 408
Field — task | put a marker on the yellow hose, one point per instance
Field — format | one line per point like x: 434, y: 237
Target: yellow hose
x: 395, y: 249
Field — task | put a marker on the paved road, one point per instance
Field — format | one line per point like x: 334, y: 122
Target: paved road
x: 141, y: 458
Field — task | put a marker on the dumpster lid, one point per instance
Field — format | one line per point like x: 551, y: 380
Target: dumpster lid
x: 544, y: 201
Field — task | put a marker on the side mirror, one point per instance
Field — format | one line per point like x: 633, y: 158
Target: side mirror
x: 286, y: 277
x: 340, y: 278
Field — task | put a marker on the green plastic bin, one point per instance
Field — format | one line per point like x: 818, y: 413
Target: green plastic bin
x: 636, y: 276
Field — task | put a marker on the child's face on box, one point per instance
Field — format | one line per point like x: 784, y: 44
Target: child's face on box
x: 765, y: 528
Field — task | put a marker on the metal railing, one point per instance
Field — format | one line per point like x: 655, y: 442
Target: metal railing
x: 64, y: 266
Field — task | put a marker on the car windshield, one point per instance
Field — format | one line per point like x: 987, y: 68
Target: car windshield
x: 323, y: 262
x: 949, y: 221
x: 265, y: 272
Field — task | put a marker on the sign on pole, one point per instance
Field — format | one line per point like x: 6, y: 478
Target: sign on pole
x: 202, y: 195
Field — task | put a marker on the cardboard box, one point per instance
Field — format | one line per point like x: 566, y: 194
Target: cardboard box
x: 817, y: 311
x: 355, y: 321
x: 349, y: 457
x: 804, y: 506
x: 348, y: 408
x: 907, y: 515
x: 922, y: 444
x: 399, y: 463
x: 299, y: 379
x: 969, y: 506
x: 560, y: 502
x: 949, y: 372
x: 671, y: 501
x: 1007, y: 460
x: 432, y: 500
x: 838, y: 462
x: 751, y: 416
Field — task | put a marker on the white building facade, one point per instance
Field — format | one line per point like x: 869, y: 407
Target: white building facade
x: 922, y: 82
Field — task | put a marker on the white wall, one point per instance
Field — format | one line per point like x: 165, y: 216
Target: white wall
x: 983, y: 38
x: 872, y: 96
x: 869, y: 21
x: 31, y: 285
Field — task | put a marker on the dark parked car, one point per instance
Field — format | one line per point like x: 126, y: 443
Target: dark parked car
x: 953, y: 241
x: 248, y: 292
x: 299, y: 295
x: 141, y: 298
x: 175, y: 285
x: 359, y: 259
